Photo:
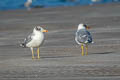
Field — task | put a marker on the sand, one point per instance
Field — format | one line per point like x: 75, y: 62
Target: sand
x: 60, y: 55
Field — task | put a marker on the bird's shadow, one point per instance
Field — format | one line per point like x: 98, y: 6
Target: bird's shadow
x: 104, y: 53
x: 55, y: 57
x: 60, y: 57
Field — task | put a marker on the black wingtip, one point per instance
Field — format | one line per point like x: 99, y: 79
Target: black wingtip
x: 23, y: 45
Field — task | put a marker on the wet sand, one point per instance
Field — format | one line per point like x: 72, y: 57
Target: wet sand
x: 60, y: 56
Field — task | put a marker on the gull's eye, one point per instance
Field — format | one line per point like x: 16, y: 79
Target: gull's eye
x: 85, y: 25
x: 37, y: 28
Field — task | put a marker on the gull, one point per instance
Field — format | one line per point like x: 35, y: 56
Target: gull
x: 35, y: 40
x: 83, y: 37
x: 28, y: 4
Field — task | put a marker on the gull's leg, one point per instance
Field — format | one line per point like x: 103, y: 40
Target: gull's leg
x: 28, y: 8
x: 32, y: 53
x: 86, y: 49
x: 82, y: 49
x: 38, y: 53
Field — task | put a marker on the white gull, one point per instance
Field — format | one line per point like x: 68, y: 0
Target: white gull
x: 34, y: 40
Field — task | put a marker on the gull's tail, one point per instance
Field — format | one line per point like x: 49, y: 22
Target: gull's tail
x: 23, y: 45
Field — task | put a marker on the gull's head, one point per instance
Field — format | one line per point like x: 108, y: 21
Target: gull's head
x: 39, y: 29
x: 83, y: 26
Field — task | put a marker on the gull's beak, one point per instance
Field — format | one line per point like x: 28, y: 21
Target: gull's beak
x: 45, y: 31
x: 87, y: 27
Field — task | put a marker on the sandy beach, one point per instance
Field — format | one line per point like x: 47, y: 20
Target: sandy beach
x: 60, y: 55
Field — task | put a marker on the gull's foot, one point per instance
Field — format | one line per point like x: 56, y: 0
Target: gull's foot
x: 33, y: 57
x: 38, y: 57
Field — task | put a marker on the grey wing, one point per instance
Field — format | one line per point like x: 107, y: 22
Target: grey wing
x: 89, y: 38
x: 83, y: 36
x: 28, y: 39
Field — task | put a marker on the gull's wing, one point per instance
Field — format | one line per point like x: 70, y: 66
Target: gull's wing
x: 83, y: 36
x: 29, y: 38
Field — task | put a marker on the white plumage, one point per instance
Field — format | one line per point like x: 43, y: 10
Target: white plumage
x: 37, y: 39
